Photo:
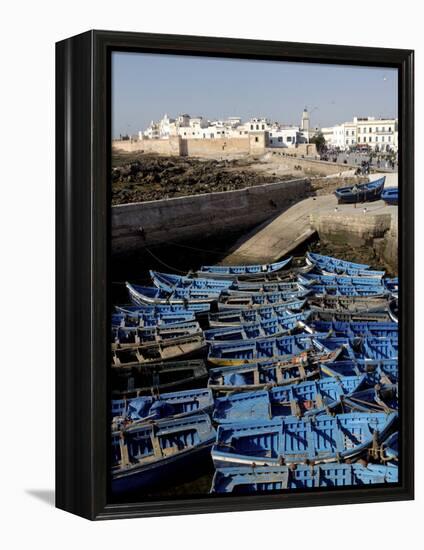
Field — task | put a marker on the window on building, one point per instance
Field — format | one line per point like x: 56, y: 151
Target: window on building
x: 263, y: 126
x: 359, y: 139
x: 280, y: 139
x: 257, y: 126
x: 271, y: 141
x: 251, y: 126
x: 289, y: 138
x: 370, y: 139
x: 389, y: 138
x: 390, y: 128
x: 382, y: 138
x: 370, y: 130
x: 256, y: 139
x: 383, y: 129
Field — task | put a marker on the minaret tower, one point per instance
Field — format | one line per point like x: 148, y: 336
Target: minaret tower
x: 304, y: 125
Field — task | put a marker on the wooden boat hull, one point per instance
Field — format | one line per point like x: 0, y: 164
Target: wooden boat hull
x: 154, y: 352
x: 133, y: 379
x: 149, y: 455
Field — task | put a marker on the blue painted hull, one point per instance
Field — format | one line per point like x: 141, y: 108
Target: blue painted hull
x: 279, y: 478
x: 365, y: 192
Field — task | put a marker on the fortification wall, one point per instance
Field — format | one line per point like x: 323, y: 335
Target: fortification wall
x: 135, y: 226
x: 288, y: 159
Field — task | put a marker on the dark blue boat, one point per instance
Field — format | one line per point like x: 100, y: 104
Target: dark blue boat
x: 149, y: 455
x: 338, y: 280
x: 390, y: 195
x: 261, y: 375
x: 250, y: 351
x: 383, y: 371
x: 165, y: 405
x: 160, y: 309
x: 352, y: 329
x: 257, y: 313
x: 274, y: 326
x: 278, y: 478
x: 169, y: 282
x: 136, y: 336
x: 141, y: 319
x: 330, y: 265
x: 364, y: 192
x: 348, y: 290
x: 245, y: 269
x: 149, y: 296
x: 292, y: 440
x: 302, y: 399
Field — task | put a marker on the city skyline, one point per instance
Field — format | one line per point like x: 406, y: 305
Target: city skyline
x: 217, y: 88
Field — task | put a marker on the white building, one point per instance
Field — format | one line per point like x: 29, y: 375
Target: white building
x: 379, y: 134
x: 198, y: 127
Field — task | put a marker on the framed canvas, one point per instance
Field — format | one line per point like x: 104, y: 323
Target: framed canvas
x: 235, y: 300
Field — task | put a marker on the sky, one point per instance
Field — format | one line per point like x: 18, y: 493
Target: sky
x: 146, y: 86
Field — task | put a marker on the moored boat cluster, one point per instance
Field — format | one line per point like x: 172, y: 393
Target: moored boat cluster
x: 286, y: 377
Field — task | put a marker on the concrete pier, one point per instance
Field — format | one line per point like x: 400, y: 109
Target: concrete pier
x: 371, y: 224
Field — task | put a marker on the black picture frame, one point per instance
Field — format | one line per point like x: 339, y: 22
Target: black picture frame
x: 83, y: 142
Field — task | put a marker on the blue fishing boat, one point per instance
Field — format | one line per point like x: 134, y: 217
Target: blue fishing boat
x: 260, y: 479
x: 137, y: 336
x: 390, y: 195
x: 377, y: 348
x: 169, y: 282
x: 132, y: 379
x: 238, y: 316
x: 263, y: 375
x: 146, y: 295
x: 150, y: 455
x: 383, y: 371
x: 356, y: 328
x: 245, y: 269
x: 140, y: 319
x: 281, y: 275
x: 364, y: 192
x: 301, y: 399
x: 171, y: 349
x: 330, y: 265
x: 160, y: 309
x: 242, y: 300
x: 348, y: 290
x: 165, y: 405
x: 292, y: 440
x: 239, y: 352
x: 382, y: 398
x: 265, y: 286
x: 274, y: 326
x: 338, y: 280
